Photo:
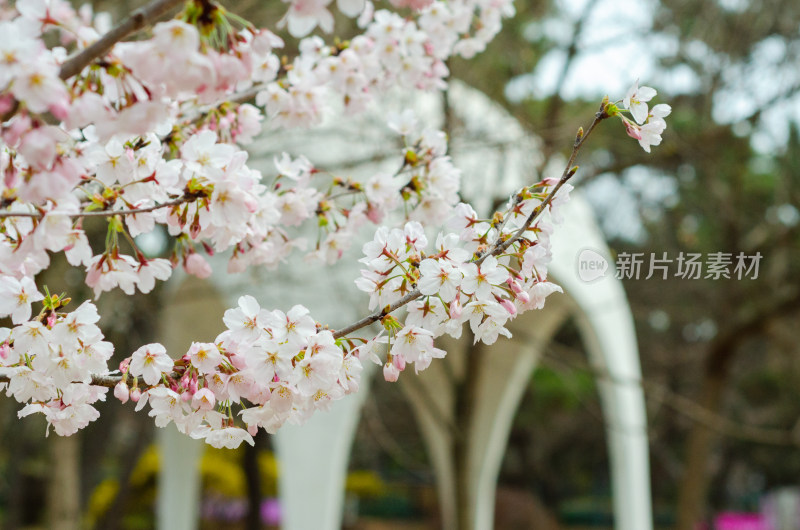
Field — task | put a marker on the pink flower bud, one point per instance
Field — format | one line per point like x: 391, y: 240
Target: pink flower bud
x: 121, y: 392
x: 390, y: 372
x: 515, y: 286
x: 192, y: 386
x: 455, y: 307
x: 123, y: 365
x: 6, y: 103
x: 136, y: 394
x: 508, y: 306
x: 374, y: 214
x: 399, y: 362
x: 59, y: 110
x: 194, y: 228
x: 197, y: 266
x: 550, y: 181
x: 633, y: 130
x: 239, y: 362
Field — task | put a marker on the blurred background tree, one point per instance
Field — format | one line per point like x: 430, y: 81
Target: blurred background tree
x: 725, y: 180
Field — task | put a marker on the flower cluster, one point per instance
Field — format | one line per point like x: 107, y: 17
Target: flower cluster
x: 50, y: 360
x: 469, y: 276
x: 280, y: 364
x: 148, y: 135
x: 647, y: 124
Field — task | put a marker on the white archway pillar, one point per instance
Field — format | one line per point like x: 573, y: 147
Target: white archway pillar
x: 178, y: 501
x: 502, y: 376
x: 191, y: 315
x: 606, y: 325
x: 313, y: 461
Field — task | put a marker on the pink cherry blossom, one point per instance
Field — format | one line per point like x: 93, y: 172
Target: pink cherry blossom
x: 16, y: 297
x: 150, y: 362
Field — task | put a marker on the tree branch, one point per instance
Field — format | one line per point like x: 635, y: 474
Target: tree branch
x: 497, y: 248
x: 137, y: 21
x: 105, y: 213
x: 97, y: 380
x: 682, y: 404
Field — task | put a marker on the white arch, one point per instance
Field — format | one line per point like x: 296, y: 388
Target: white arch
x: 314, y: 458
x: 606, y: 325
x: 605, y: 322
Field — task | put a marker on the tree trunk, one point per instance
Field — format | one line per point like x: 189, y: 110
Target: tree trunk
x: 465, y: 397
x: 63, y: 492
x: 694, y: 483
x: 112, y: 519
x: 253, y: 478
x: 699, y: 447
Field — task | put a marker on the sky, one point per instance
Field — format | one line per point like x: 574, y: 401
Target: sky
x: 619, y: 47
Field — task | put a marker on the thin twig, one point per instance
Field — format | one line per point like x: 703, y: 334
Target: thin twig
x: 105, y: 213
x: 108, y: 381
x: 682, y: 404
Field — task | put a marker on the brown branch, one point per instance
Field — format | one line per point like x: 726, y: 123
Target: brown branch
x: 105, y: 213
x: 108, y: 381
x: 723, y: 348
x: 569, y: 171
x: 681, y: 404
x: 137, y: 21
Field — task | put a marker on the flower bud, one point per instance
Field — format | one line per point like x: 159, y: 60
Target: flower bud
x: 390, y: 372
x: 508, y: 306
x: 455, y: 308
x: 515, y: 286
x: 121, y: 392
x: 633, y: 130
x: 399, y: 362
x: 136, y: 394
x: 197, y: 266
x: 239, y: 362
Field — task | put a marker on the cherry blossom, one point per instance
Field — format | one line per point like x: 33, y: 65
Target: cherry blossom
x: 146, y: 137
x: 150, y: 362
x: 636, y: 101
x: 16, y: 297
